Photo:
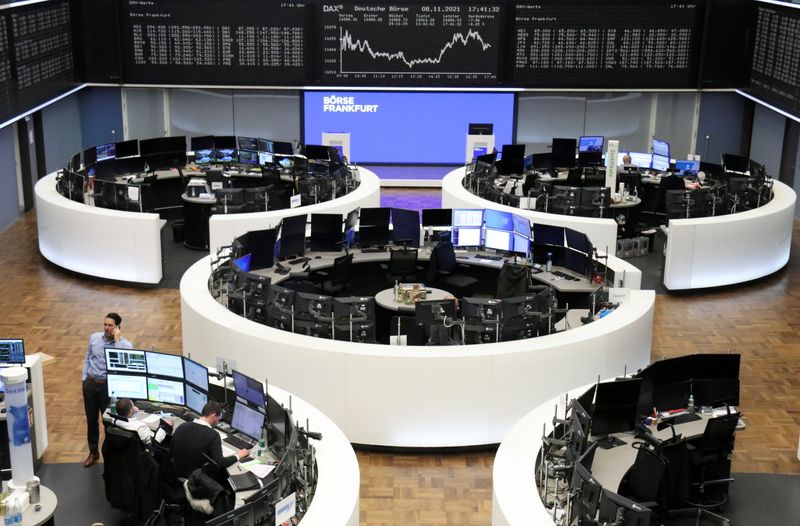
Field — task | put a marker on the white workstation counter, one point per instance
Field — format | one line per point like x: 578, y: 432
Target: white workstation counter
x: 417, y: 396
x: 336, y: 501
x: 126, y: 246
x: 223, y: 228
x: 724, y: 250
x: 602, y: 232
x: 100, y: 242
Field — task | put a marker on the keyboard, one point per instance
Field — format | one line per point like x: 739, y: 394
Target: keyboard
x: 237, y: 442
x: 565, y: 276
x: 299, y: 260
x: 489, y: 257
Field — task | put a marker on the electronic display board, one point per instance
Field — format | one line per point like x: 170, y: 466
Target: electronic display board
x: 775, y: 64
x: 408, y: 44
x: 235, y: 42
x: 606, y: 43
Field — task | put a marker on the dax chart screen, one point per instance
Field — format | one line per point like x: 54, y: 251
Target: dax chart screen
x: 411, y: 44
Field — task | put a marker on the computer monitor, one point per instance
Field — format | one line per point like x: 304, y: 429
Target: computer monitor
x: 264, y: 145
x: 226, y: 155
x: 428, y: 312
x: 106, y: 151
x: 561, y: 145
x: 578, y: 241
x: 361, y: 308
x: 203, y: 142
x: 326, y: 232
x: 125, y: 361
x: 513, y: 151
x: 548, y: 235
x: 276, y: 415
x: 588, y: 490
x: 498, y: 240
x: 660, y: 163
x: 12, y: 350
x: 316, y: 152
x: 265, y: 159
x: 735, y: 163
x: 90, y: 157
x: 247, y: 420
x: 174, y: 144
x: 243, y: 263
x: 586, y: 399
x: 661, y: 148
x: 373, y: 235
x: 498, y: 220
x: 165, y: 391
x: 641, y: 159
x: 195, y: 373
x: 160, y: 364
x: 467, y: 217
x: 195, y: 399
x: 248, y: 157
x: 522, y: 225
x: 521, y: 245
x: 687, y: 167
x: 291, y: 243
x: 127, y: 386
x: 586, y: 159
x: 282, y: 148
x: 374, y: 216
x: 248, y: 389
x: 465, y: 236
x: 616, y: 407
x: 247, y: 143
x: 576, y: 261
x: 205, y: 156
x: 591, y: 143
x: 350, y: 223
x: 616, y: 509
x: 312, y: 307
x: 437, y: 217
x: 405, y: 227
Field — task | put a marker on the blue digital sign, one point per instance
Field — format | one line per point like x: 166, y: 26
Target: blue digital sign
x: 406, y: 127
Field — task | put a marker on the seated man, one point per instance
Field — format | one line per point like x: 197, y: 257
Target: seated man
x: 194, y: 443
x: 125, y: 419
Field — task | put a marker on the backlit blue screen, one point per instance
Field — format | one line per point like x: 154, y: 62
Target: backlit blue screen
x: 401, y: 127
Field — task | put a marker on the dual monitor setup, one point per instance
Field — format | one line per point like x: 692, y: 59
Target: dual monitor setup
x: 618, y: 406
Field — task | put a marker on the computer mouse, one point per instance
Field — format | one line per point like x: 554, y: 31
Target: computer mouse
x: 317, y: 257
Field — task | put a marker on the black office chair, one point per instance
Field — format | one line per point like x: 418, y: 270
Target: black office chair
x: 336, y: 280
x: 402, y: 265
x: 679, y: 203
x: 174, y: 497
x: 712, y: 456
x: 594, y: 179
x: 632, y: 181
x: 441, y: 271
x: 512, y: 281
x: 121, y: 455
x: 670, y: 182
x: 644, y: 482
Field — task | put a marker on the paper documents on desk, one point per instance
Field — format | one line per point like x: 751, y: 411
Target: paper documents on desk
x: 258, y: 468
x: 722, y: 411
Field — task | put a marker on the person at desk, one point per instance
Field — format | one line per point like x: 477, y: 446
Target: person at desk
x: 93, y: 379
x: 627, y: 161
x: 192, y: 442
x: 126, y: 419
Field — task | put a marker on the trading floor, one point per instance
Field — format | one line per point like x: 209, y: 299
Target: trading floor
x: 55, y: 311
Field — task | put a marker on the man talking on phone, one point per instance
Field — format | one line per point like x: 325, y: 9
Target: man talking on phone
x: 95, y: 388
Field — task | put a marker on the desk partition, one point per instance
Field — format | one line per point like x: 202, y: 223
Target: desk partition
x: 417, y: 396
x: 602, y: 232
x: 724, y: 250
x: 225, y: 227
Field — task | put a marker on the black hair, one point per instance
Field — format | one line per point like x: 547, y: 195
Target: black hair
x: 211, y: 408
x: 124, y: 406
x: 116, y: 317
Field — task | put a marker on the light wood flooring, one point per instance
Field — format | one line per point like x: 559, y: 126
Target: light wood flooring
x: 54, y: 311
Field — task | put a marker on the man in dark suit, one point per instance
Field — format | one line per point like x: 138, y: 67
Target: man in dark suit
x: 192, y: 441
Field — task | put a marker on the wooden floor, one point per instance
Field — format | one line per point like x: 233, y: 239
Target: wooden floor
x: 54, y: 311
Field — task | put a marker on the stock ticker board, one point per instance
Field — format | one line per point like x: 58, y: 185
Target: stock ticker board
x: 234, y: 42
x: 775, y: 65
x: 409, y: 44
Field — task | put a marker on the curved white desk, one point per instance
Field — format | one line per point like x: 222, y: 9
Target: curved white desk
x: 417, y: 396
x: 336, y: 501
x: 224, y: 228
x: 724, y: 250
x: 111, y: 244
x: 602, y: 232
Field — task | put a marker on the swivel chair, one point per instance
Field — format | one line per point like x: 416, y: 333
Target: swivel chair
x: 512, y: 281
x: 716, y: 446
x: 644, y: 482
x: 402, y: 265
x: 679, y: 203
x: 594, y: 179
x: 574, y: 176
x: 441, y: 271
x: 670, y: 182
x: 336, y: 281
x: 632, y: 181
